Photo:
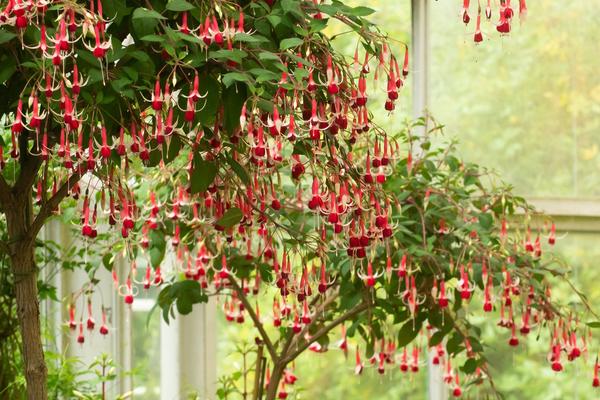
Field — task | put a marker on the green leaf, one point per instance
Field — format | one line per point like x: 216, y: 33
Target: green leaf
x: 247, y: 38
x: 290, y: 5
x: 119, y: 84
x: 174, y: 147
x: 231, y: 217
x: 203, y: 175
x: 233, y: 100
x: 212, y: 87
x: 188, y: 293
x: 108, y: 261
x: 264, y: 75
x: 239, y: 171
x: 317, y: 25
x: 485, y: 220
x: 234, y: 55
x: 436, y: 338
x: 290, y: 42
x: 153, y: 38
x: 300, y: 60
x: 8, y: 66
x: 407, y: 334
x: 268, y: 56
x: 179, y: 5
x: 593, y: 324
x: 470, y: 366
x: 6, y: 36
x: 361, y: 11
x: 164, y: 300
x: 144, y: 13
x: 454, y: 344
x: 157, y: 250
x: 231, y: 77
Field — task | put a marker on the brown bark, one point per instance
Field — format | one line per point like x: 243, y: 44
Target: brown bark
x: 21, y: 247
x: 276, y: 375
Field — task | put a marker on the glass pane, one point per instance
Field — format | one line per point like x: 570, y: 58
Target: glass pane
x: 146, y: 346
x: 527, y: 104
x: 527, y: 374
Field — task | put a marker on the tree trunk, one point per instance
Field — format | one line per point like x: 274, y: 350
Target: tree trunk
x: 23, y: 266
x: 273, y: 387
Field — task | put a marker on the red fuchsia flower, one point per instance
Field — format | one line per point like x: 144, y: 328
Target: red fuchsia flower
x: 103, y: 327
x: 100, y: 47
x: 77, y: 82
x: 465, y: 287
x: 195, y: 95
x: 573, y: 350
x: 43, y: 44
x: 487, y: 302
x: 105, y: 150
x: 404, y: 361
x: 128, y: 294
x: 223, y: 272
x: 522, y: 10
x: 316, y: 347
x: 72, y: 323
x: 402, y: 267
x: 288, y: 377
x: 19, y: 9
x: 361, y: 99
x: 369, y: 279
x: 555, y: 352
x: 275, y: 124
x: 465, y: 12
x: 17, y: 126
x: 596, y: 380
x: 343, y: 342
x: 359, y: 365
x: 456, y: 391
x: 184, y: 28
x: 405, y: 65
x: 478, y: 36
x: 528, y: 245
x: 505, y: 19
x: 91, y: 323
x: 488, y: 9
x: 282, y: 394
x: 410, y: 297
x: 333, y: 80
x: 214, y: 31
x: 442, y: 299
x: 80, y: 337
x: 514, y: 340
x: 157, y: 99
x: 414, y: 366
x: 552, y: 236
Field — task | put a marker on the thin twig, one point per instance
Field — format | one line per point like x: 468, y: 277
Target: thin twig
x: 255, y: 318
x: 323, y: 331
x: 51, y: 205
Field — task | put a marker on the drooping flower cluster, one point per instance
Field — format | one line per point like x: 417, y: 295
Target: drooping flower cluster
x: 241, y: 135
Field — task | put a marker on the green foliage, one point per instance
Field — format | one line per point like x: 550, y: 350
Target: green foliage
x: 184, y: 294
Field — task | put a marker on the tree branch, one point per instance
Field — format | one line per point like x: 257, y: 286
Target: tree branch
x: 255, y: 319
x: 30, y: 165
x: 51, y: 205
x: 5, y: 194
x: 295, y: 337
x: 323, y: 331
